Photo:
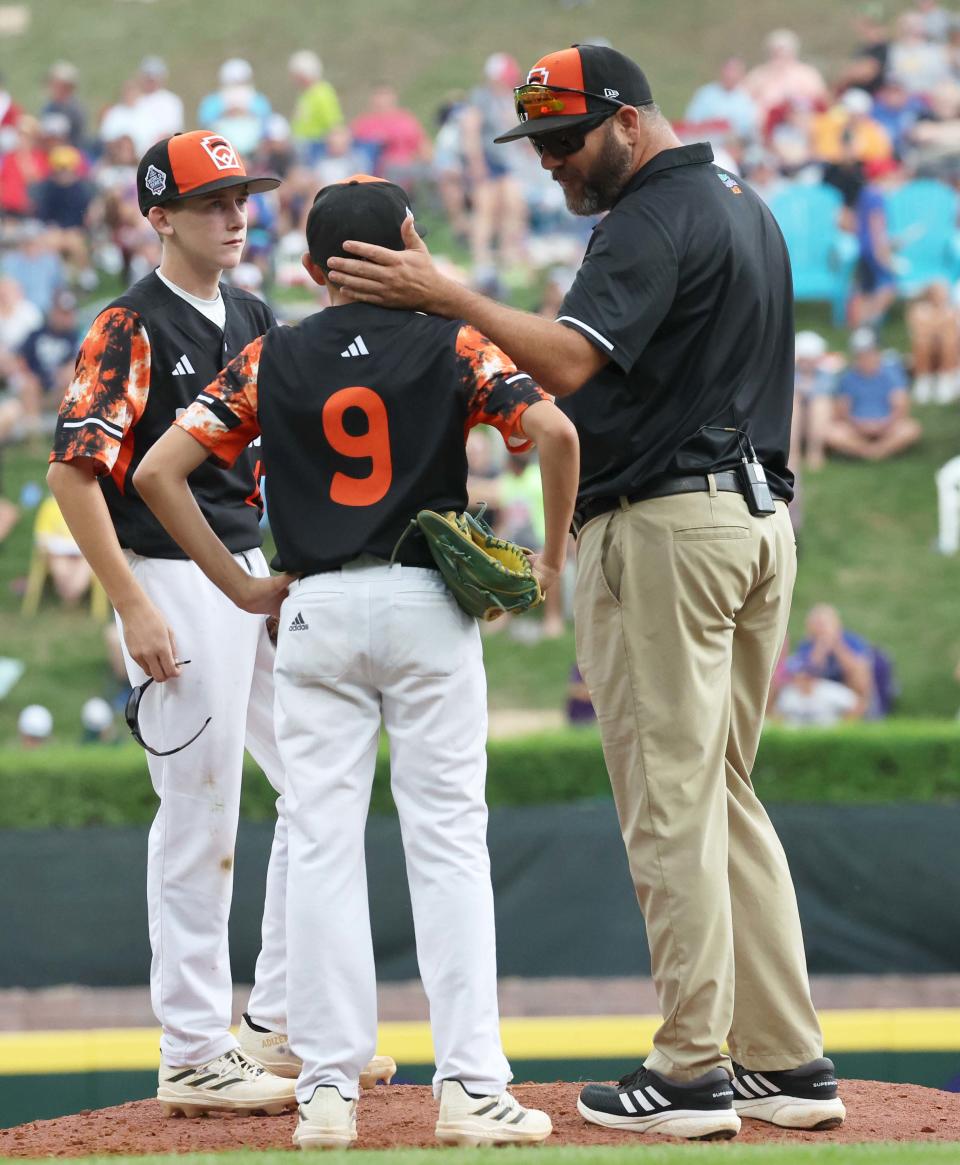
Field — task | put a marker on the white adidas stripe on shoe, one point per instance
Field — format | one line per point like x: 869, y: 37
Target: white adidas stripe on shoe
x: 469, y: 1120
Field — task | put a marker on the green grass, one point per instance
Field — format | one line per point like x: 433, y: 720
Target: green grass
x: 648, y: 1154
x: 427, y: 48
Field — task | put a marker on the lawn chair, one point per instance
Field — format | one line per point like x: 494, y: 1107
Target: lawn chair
x: 822, y: 255
x: 922, y: 224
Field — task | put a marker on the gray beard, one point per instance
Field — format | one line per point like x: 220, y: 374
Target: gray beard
x: 603, y: 184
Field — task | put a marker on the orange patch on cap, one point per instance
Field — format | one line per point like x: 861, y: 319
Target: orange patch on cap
x: 200, y: 157
x: 359, y: 178
x: 561, y: 70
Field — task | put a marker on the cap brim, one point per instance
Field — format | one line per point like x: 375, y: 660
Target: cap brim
x: 254, y: 185
x: 542, y: 125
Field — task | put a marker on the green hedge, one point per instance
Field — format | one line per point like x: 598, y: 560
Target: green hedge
x: 902, y: 760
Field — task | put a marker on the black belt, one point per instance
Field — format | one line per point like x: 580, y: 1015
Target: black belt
x: 727, y: 480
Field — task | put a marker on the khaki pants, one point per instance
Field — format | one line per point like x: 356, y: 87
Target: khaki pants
x: 681, y: 609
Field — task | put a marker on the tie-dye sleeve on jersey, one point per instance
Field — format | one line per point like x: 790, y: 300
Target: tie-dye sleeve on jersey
x: 108, y: 393
x: 223, y: 418
x: 499, y: 394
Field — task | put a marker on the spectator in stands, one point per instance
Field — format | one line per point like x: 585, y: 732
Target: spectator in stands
x: 317, y: 110
x: 449, y: 165
x: 726, y: 99
x: 847, y: 135
x: 922, y: 65
x: 232, y: 74
x: 22, y: 167
x: 10, y: 111
x: 937, y: 21
x: 498, y: 227
x: 35, y: 265
x: 898, y: 111
x: 867, y: 69
x: 933, y: 323
x: 783, y: 77
x: 806, y: 700
x: 813, y: 400
x: 48, y: 356
x: 18, y: 316
x: 831, y: 652
x: 761, y: 170
x: 341, y: 158
x: 97, y: 721
x: 239, y: 121
x: 62, y: 78
x: 875, y: 279
x: 122, y: 120
x: 63, y: 198
x: 159, y: 110
x: 35, y: 725
x: 791, y: 139
x: 69, y: 571
x: 872, y: 419
x: 399, y: 145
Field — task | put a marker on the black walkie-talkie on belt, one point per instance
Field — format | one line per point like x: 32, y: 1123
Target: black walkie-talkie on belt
x: 753, y: 480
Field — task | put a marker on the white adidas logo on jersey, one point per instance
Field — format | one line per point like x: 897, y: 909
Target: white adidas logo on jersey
x: 183, y: 367
x: 356, y: 348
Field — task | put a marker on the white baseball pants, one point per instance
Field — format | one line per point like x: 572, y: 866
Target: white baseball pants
x: 358, y: 644
x: 191, y: 845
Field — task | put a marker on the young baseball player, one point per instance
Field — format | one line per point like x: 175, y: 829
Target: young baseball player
x: 363, y: 414
x: 142, y: 362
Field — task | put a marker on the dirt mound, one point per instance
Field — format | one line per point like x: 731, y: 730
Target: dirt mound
x: 404, y: 1115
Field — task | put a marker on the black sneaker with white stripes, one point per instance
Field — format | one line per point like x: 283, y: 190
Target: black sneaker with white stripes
x: 796, y: 1098
x: 646, y: 1102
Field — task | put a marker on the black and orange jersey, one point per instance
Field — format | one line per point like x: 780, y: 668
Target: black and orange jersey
x: 363, y: 414
x: 142, y: 362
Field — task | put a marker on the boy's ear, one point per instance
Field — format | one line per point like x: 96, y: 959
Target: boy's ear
x: 313, y: 269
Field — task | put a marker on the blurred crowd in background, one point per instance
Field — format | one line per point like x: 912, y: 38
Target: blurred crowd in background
x: 861, y: 169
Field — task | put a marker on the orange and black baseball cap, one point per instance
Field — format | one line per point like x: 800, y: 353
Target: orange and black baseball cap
x: 189, y: 164
x: 361, y: 207
x: 579, y: 86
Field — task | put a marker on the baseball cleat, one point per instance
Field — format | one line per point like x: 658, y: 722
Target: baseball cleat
x: 796, y: 1098
x: 326, y: 1121
x: 230, y: 1083
x: 466, y: 1119
x: 272, y: 1051
x: 380, y: 1068
x: 646, y: 1102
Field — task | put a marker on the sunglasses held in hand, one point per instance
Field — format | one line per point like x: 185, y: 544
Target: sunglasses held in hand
x: 132, y: 715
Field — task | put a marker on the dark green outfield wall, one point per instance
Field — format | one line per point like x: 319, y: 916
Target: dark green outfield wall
x: 879, y: 891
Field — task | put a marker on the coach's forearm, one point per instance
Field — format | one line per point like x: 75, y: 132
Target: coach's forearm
x: 558, y: 358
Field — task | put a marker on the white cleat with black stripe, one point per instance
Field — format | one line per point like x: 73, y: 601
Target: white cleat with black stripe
x: 796, y: 1098
x: 466, y: 1119
x: 326, y: 1121
x: 230, y: 1083
x: 646, y: 1102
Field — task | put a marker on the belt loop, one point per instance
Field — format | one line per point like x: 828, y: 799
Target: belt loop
x: 712, y: 483
x: 624, y: 502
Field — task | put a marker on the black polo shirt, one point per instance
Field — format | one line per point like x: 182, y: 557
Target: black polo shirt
x: 686, y: 287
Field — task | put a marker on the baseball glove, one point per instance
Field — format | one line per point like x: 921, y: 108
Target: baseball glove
x: 489, y: 576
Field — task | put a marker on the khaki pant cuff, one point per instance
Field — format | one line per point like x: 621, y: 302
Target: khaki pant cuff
x: 763, y: 1060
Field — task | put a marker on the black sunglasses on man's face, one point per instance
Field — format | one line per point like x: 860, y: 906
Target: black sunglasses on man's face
x: 132, y: 716
x: 561, y: 143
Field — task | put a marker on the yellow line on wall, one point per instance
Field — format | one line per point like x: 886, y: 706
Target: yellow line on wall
x: 529, y: 1038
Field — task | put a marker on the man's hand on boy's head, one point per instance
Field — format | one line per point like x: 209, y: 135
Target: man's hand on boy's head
x: 404, y: 279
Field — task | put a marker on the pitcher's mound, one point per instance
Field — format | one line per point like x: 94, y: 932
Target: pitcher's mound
x: 403, y: 1115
